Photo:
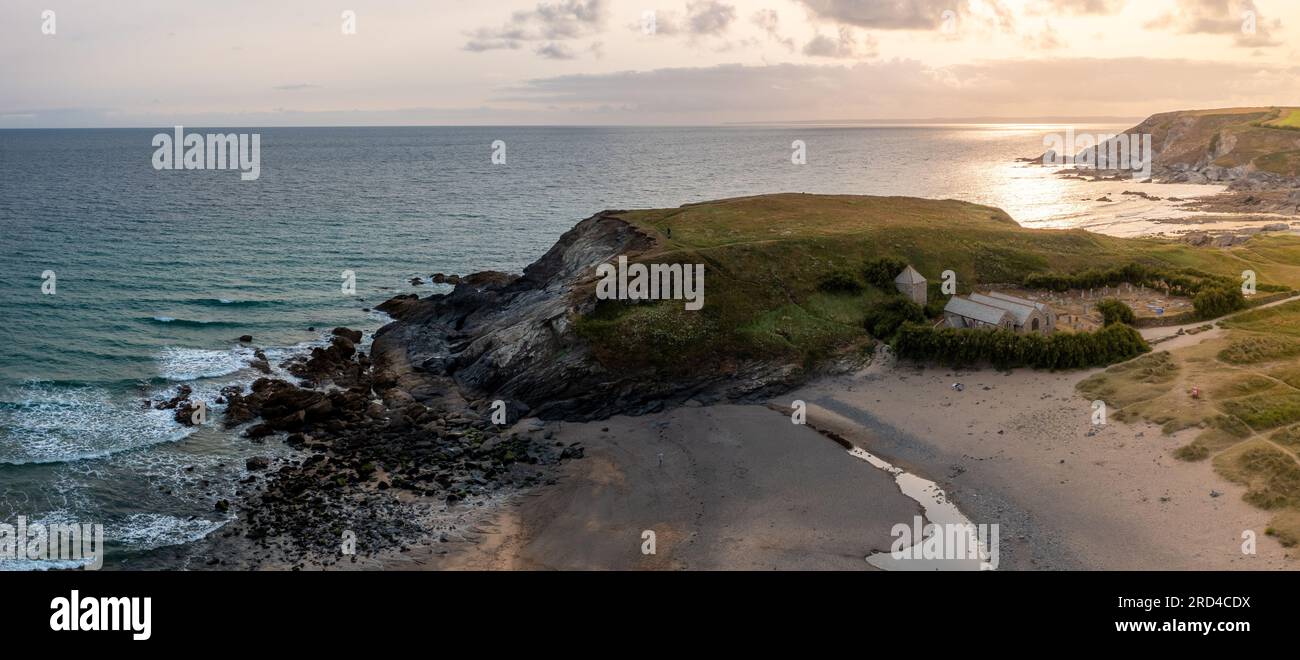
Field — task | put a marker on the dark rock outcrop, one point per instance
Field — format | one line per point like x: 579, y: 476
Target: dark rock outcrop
x: 361, y: 452
x: 506, y: 337
x: 333, y: 364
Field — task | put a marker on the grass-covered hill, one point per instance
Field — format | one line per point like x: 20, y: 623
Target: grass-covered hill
x: 1252, y: 139
x: 767, y: 259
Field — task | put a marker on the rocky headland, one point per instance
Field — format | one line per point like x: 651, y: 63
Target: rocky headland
x: 450, y: 413
x: 510, y: 338
x: 1254, y: 152
x: 397, y: 446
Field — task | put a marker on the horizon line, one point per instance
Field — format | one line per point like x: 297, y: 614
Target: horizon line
x: 811, y: 123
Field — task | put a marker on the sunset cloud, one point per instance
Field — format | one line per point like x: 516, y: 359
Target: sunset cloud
x: 844, y: 45
x: 1240, y: 19
x: 592, y: 61
x: 769, y: 21
x: 1078, y: 7
x: 1133, y: 87
x: 566, y: 19
x: 888, y: 15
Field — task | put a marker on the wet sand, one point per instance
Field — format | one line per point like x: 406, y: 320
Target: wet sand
x: 740, y: 487
x: 743, y: 488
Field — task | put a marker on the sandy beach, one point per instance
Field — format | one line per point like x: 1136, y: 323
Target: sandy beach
x: 1019, y: 449
x: 722, y: 487
x: 740, y: 487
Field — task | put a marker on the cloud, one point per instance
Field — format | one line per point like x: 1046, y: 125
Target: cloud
x: 1132, y: 87
x: 709, y: 17
x: 555, y: 51
x: 1045, y: 39
x: 549, y: 22
x: 954, y: 18
x: 844, y: 46
x: 295, y: 87
x: 481, y: 45
x: 702, y: 18
x: 886, y: 15
x: 1078, y: 7
x: 769, y: 22
x: 1227, y: 17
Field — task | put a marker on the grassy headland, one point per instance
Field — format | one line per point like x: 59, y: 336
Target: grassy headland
x: 766, y: 258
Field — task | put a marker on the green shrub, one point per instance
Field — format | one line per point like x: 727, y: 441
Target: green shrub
x: 881, y: 272
x: 934, y: 305
x: 1115, y: 311
x: 1181, y: 282
x: 839, y: 281
x: 1004, y: 348
x: 884, y: 319
x: 1217, y: 301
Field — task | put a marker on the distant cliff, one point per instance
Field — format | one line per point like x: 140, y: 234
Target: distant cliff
x: 1246, y: 148
x: 1252, y: 148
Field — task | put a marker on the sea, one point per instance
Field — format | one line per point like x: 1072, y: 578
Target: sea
x: 120, y: 282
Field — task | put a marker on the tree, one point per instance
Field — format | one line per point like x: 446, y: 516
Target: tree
x: 1217, y: 301
x: 884, y: 319
x: 881, y: 272
x: 1115, y: 311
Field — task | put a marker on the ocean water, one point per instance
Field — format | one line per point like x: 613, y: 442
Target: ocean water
x: 159, y: 272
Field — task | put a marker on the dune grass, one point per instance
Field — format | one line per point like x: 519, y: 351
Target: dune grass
x: 1247, y: 415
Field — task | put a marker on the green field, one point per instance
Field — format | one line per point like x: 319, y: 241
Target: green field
x: 764, y: 257
x: 1288, y: 118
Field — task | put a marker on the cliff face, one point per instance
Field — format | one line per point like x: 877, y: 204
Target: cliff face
x: 506, y: 337
x: 1247, y: 148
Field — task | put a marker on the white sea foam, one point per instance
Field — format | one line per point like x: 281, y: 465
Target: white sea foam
x: 193, y: 363
x: 48, y: 424
x: 146, y: 531
x: 43, y: 564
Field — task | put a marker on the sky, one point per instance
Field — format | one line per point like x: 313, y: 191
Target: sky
x: 150, y: 63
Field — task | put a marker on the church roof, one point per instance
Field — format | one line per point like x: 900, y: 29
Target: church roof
x: 1020, y: 311
x: 1020, y: 301
x: 974, y: 310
